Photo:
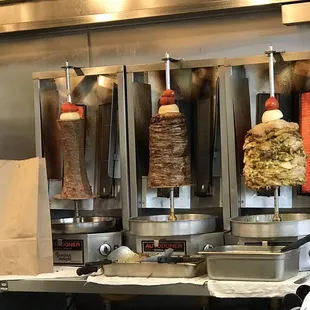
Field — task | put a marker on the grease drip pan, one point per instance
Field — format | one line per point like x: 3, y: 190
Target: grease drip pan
x: 262, y: 226
x: 186, y: 224
x: 84, y: 225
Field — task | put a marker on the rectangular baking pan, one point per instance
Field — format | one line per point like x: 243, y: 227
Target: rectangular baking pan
x: 194, y: 268
x: 251, y: 263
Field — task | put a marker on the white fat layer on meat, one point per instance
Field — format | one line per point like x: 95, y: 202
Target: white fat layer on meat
x: 271, y: 115
x: 170, y: 108
x: 69, y: 116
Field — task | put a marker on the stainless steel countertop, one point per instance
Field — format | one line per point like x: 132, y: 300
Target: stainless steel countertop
x: 79, y: 285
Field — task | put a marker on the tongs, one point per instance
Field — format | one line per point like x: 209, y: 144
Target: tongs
x: 120, y: 254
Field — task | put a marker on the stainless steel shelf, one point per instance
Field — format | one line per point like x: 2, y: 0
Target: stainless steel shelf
x: 79, y: 285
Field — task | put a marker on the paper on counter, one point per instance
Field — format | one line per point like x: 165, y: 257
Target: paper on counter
x: 59, y: 272
x: 103, y: 280
x: 250, y: 289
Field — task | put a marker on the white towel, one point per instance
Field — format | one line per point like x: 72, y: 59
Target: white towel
x: 59, y: 272
x: 103, y: 280
x: 249, y: 289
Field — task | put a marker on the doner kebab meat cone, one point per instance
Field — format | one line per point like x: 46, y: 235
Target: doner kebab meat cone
x: 169, y: 164
x: 75, y: 181
x: 273, y: 152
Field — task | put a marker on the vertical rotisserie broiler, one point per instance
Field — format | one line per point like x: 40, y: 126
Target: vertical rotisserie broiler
x: 274, y: 154
x: 171, y: 145
x: 275, y: 159
x: 80, y: 239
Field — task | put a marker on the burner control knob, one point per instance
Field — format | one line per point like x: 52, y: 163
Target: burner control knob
x: 208, y: 247
x: 105, y: 249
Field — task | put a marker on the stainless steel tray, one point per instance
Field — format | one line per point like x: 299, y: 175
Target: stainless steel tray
x: 81, y: 225
x: 251, y: 263
x: 262, y: 226
x: 156, y: 270
x: 186, y: 224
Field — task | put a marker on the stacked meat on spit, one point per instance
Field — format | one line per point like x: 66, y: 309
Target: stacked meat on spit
x: 75, y: 181
x: 169, y: 164
x: 273, y: 152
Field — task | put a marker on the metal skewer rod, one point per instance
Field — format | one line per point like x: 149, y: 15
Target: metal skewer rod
x: 271, y: 70
x: 76, y: 209
x: 172, y: 216
x: 276, y: 216
x: 68, y: 84
x: 167, y: 59
x: 270, y: 52
x: 167, y: 70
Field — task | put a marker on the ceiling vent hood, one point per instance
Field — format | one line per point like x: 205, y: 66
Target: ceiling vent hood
x: 29, y: 15
x: 297, y: 13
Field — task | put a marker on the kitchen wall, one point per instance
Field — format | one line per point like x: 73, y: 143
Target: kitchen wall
x: 233, y: 36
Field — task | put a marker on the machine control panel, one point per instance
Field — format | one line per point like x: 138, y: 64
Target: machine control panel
x: 105, y: 249
x: 76, y: 250
x: 208, y: 247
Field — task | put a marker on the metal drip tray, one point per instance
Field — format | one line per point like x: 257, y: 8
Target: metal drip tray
x: 251, y: 263
x: 186, y: 224
x: 82, y: 225
x: 261, y: 226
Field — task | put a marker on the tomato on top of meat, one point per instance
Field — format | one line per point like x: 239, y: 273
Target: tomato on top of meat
x: 271, y: 104
x: 69, y: 107
x: 168, y: 97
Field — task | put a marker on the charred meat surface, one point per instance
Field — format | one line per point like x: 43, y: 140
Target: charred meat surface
x: 75, y: 180
x: 274, y: 155
x: 169, y: 164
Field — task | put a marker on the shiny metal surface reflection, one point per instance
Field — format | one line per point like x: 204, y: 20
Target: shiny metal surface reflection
x: 186, y: 224
x: 83, y: 225
x: 262, y: 226
x: 31, y: 15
